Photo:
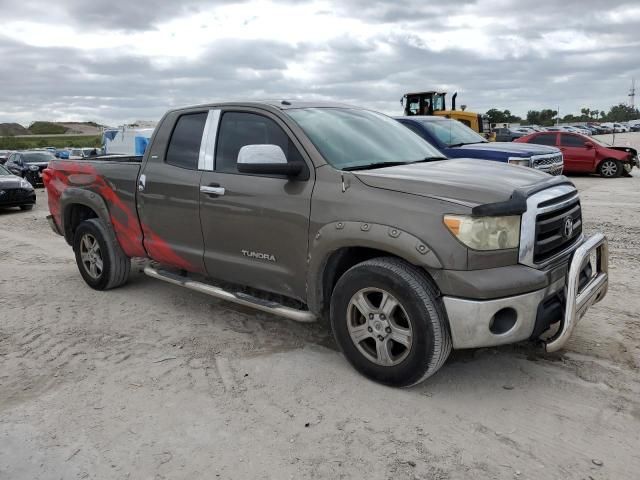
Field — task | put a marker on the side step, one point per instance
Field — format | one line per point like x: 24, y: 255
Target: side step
x: 239, y: 298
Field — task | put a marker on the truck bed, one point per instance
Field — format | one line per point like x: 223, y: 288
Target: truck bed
x: 114, y: 179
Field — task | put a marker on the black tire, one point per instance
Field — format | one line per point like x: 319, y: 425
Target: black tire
x: 26, y: 207
x: 422, y: 310
x: 115, y: 264
x: 610, y: 168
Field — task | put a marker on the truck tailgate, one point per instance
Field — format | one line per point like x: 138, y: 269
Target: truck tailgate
x: 115, y: 182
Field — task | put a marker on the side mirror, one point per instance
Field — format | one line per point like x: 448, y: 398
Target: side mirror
x: 266, y: 160
x: 588, y: 145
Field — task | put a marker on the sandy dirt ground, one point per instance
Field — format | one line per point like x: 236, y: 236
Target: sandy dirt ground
x: 151, y: 381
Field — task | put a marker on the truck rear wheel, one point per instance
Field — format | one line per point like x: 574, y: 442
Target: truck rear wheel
x: 101, y: 261
x: 389, y: 322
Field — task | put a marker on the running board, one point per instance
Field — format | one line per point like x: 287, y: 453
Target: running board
x: 239, y: 298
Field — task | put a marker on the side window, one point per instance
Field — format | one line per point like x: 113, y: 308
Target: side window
x: 544, y: 139
x: 238, y: 129
x: 184, y: 145
x: 414, y: 128
x: 571, y: 141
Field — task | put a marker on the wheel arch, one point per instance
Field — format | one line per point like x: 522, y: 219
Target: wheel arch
x: 341, y: 245
x: 78, y: 205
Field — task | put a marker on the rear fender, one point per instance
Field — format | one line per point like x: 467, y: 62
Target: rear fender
x: 79, y: 196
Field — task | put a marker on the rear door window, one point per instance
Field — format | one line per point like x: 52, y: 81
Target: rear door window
x: 184, y: 146
x: 571, y: 141
x: 544, y: 139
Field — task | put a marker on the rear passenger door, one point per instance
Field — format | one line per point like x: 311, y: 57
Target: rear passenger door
x: 577, y: 157
x: 169, y: 192
x: 256, y: 227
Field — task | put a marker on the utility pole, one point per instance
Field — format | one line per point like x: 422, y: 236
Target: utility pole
x: 632, y: 93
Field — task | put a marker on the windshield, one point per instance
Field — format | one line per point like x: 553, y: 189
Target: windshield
x: 349, y: 138
x: 4, y: 171
x: 452, y: 132
x: 37, y: 157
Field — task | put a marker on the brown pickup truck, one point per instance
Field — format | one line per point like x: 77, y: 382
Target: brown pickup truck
x: 313, y: 211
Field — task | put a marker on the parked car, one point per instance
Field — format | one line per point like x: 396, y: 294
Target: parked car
x: 587, y: 155
x: 507, y: 134
x: 29, y: 164
x: 615, y: 127
x: 329, y: 211
x: 599, y: 129
x: 535, y: 128
x: 583, y: 129
x: 4, y: 154
x: 455, y: 140
x: 15, y: 191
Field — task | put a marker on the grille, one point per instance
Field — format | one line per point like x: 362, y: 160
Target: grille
x: 552, y: 236
x: 549, y: 163
x: 13, y: 195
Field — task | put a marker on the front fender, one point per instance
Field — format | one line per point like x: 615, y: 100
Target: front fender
x: 343, y: 234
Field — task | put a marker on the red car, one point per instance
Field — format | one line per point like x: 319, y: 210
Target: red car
x: 586, y: 154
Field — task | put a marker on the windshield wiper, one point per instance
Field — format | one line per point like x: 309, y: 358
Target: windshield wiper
x: 371, y: 166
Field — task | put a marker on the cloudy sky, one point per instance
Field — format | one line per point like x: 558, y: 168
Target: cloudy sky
x: 117, y: 61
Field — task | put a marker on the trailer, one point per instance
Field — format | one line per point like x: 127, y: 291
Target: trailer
x: 126, y: 140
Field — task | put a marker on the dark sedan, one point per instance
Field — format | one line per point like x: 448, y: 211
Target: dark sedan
x: 15, y: 191
x: 29, y: 164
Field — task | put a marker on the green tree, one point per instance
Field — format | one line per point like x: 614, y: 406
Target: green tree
x: 544, y: 117
x: 502, y: 116
x: 622, y: 113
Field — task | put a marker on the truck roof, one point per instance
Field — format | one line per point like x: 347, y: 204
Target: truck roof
x: 282, y: 104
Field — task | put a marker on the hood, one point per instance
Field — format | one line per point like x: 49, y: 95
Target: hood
x: 515, y: 149
x: 467, y: 181
x: 624, y: 151
x: 9, y: 182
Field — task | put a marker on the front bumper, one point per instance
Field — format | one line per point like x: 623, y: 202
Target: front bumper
x: 17, y: 197
x: 486, y: 323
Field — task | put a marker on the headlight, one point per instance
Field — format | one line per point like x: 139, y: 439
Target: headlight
x: 525, y: 162
x: 485, y: 233
x: 25, y: 184
x: 33, y: 168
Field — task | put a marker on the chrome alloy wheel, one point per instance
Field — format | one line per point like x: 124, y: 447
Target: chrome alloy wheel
x: 379, y: 327
x: 609, y: 168
x: 91, y: 255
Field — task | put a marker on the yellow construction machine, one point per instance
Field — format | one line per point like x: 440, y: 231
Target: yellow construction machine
x: 433, y: 103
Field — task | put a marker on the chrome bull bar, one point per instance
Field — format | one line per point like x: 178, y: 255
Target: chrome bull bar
x: 579, y: 300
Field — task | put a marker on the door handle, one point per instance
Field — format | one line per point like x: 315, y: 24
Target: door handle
x: 142, y: 182
x: 209, y: 190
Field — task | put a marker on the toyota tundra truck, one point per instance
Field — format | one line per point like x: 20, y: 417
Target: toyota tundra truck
x: 329, y: 212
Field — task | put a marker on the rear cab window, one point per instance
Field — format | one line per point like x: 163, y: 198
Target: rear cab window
x: 184, y: 146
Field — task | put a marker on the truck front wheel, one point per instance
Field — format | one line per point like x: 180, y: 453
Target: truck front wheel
x: 389, y: 322
x: 101, y: 261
